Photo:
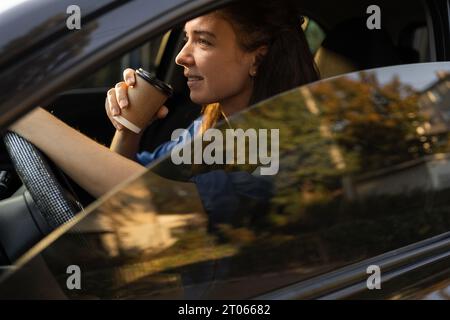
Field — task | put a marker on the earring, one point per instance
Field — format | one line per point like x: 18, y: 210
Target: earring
x: 253, y: 73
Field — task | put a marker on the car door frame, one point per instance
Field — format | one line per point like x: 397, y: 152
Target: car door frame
x: 438, y: 16
x: 409, y: 264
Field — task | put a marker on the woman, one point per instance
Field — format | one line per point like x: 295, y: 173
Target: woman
x: 233, y: 57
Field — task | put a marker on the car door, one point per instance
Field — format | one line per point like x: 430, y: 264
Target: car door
x: 361, y: 180
x: 188, y: 279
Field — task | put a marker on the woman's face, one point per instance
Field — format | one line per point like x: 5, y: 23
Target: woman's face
x: 218, y: 70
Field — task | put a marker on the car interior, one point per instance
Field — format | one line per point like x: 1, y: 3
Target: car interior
x: 403, y: 39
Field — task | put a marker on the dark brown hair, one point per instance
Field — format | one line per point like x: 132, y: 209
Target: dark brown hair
x: 288, y: 62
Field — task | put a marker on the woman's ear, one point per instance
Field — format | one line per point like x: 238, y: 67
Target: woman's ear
x: 258, y: 56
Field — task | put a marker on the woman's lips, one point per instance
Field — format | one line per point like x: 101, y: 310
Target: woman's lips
x: 194, y: 82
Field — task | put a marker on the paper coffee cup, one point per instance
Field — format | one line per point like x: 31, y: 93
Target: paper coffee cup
x: 144, y: 100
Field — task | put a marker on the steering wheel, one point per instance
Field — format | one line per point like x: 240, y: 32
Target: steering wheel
x: 56, y: 204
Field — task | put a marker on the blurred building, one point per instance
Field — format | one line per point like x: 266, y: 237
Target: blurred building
x: 429, y: 173
x: 434, y: 102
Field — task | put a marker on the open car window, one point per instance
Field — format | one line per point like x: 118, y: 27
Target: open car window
x: 361, y: 167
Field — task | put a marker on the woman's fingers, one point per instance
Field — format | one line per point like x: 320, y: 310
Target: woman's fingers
x: 117, y: 125
x: 129, y: 76
x: 117, y: 99
x: 112, y: 108
x: 122, y: 94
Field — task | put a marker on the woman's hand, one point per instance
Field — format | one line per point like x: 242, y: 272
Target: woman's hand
x: 117, y: 99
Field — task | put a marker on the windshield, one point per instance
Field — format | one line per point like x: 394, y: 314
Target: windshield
x: 353, y: 167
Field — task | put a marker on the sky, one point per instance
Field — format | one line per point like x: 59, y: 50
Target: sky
x: 419, y: 76
x: 7, y: 4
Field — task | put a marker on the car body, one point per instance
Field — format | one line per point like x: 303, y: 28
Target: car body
x: 362, y: 174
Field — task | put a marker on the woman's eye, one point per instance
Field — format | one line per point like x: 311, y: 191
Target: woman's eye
x: 199, y: 40
x: 204, y: 42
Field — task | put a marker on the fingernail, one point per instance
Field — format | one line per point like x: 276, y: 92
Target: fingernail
x: 115, y: 112
x: 130, y: 81
x: 123, y: 103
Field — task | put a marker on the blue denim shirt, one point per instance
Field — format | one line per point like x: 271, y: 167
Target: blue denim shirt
x: 146, y: 158
x: 228, y: 197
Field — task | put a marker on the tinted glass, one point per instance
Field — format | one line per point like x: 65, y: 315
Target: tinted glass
x: 363, y: 169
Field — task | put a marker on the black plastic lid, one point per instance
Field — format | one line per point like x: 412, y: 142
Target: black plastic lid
x: 158, y: 84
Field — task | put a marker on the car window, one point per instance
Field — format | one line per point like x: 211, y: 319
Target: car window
x: 147, y: 56
x: 314, y: 34
x: 402, y: 36
x: 363, y: 168
x: 419, y: 41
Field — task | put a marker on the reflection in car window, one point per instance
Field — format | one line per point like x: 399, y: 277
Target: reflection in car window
x: 364, y: 168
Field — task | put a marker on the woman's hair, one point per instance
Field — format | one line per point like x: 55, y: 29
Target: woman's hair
x: 288, y: 62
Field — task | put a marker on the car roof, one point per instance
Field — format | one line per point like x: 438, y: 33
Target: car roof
x: 42, y: 19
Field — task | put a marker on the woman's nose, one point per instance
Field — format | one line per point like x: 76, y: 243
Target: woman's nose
x: 184, y: 57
